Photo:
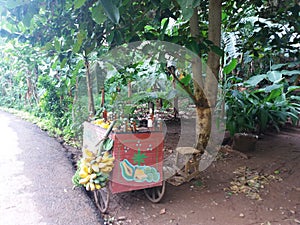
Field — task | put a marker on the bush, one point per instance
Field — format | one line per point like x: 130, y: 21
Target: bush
x: 263, y: 101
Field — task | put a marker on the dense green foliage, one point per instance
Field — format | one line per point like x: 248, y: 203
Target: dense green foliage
x: 46, y: 45
x: 263, y: 101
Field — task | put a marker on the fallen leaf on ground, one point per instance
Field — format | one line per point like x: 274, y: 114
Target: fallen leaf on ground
x: 162, y: 211
x: 277, y: 171
x: 249, y: 182
x: 122, y: 218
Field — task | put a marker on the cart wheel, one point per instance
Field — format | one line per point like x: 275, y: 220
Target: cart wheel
x: 155, y: 194
x: 102, y: 199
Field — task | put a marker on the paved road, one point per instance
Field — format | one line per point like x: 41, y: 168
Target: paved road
x: 35, y: 179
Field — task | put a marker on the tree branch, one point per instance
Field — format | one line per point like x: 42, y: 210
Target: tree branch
x: 186, y: 88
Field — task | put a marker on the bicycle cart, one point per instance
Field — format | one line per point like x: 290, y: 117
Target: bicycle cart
x: 138, y: 162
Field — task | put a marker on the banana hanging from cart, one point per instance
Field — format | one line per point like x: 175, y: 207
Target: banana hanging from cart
x: 93, y: 169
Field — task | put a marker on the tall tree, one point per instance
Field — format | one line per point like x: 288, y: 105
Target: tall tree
x: 125, y: 22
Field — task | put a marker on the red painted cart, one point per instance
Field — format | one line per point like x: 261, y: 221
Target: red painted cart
x: 138, y: 163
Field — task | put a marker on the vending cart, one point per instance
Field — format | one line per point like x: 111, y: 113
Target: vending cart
x: 138, y: 161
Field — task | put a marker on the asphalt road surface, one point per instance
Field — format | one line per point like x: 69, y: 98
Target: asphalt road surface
x: 35, y: 179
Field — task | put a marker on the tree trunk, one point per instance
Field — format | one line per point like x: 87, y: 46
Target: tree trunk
x: 204, y: 102
x: 129, y: 92
x: 102, y: 97
x: 34, y: 90
x: 213, y: 60
x: 75, y: 99
x: 91, y: 105
x: 175, y: 101
x: 202, y: 119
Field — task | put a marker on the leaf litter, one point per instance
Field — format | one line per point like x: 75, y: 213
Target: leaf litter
x: 250, y: 182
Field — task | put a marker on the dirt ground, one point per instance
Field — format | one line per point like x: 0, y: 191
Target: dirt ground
x: 213, y: 198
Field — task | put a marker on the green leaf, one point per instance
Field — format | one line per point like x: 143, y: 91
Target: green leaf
x: 152, y: 95
x: 217, y: 50
x: 295, y: 98
x: 48, y: 46
x: 274, y: 94
x: 224, y: 16
x: 111, y: 10
x: 76, y: 46
x: 187, y: 13
x: 56, y: 45
x: 290, y: 72
x: 230, y: 66
x: 89, y: 47
x: 149, y: 28
x: 193, y: 46
x: 108, y: 144
x: 186, y: 80
x: 110, y: 37
x: 118, y: 37
x: 78, y: 3
x: 63, y: 63
x: 55, y: 63
x: 164, y: 24
x: 273, y: 87
x: 294, y: 116
x: 278, y: 66
x: 292, y: 88
x: 27, y: 19
x: 98, y: 14
x: 253, y: 81
x: 80, y: 37
x: 274, y: 76
x: 187, y: 7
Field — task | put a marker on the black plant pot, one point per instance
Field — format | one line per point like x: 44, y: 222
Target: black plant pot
x: 244, y: 142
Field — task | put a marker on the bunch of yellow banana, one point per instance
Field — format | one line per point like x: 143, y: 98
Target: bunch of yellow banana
x: 101, y: 123
x: 106, y: 163
x: 88, y: 179
x: 94, y: 170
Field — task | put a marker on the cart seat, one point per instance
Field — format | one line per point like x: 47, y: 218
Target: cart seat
x: 190, y: 168
x: 187, y: 150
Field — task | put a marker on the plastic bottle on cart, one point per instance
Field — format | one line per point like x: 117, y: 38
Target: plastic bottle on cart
x: 125, y: 125
x: 104, y: 114
x: 133, y: 125
x: 110, y: 116
x: 115, y: 116
x: 159, y: 124
x: 150, y: 122
x: 155, y: 123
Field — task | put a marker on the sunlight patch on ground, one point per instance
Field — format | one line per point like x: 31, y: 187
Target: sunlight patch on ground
x: 16, y: 203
